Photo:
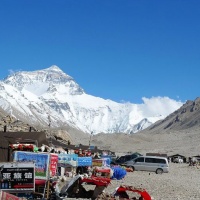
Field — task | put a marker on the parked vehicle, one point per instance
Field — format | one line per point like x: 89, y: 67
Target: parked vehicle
x: 178, y: 159
x: 121, y: 160
x: 149, y: 163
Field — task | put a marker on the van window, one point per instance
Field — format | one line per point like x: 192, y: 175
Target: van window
x: 149, y: 160
x: 155, y: 160
x: 139, y: 159
x: 163, y: 161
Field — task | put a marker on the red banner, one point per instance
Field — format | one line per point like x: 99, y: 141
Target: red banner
x: 53, y: 164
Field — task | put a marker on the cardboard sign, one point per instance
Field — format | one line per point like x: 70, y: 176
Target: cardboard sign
x: 41, y: 161
x: 18, y: 177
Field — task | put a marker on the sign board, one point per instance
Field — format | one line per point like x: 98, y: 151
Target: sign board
x: 17, y: 177
x: 67, y: 160
x: 41, y: 161
x: 107, y: 160
x: 84, y: 161
x: 103, y: 162
x: 97, y: 162
x: 53, y: 164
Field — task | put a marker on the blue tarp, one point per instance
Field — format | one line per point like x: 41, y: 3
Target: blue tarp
x: 118, y: 173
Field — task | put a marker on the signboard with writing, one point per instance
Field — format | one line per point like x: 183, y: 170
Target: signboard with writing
x: 41, y: 161
x: 67, y: 160
x: 97, y: 162
x: 106, y: 160
x: 17, y: 177
x: 53, y: 164
x: 102, y: 162
x: 84, y: 161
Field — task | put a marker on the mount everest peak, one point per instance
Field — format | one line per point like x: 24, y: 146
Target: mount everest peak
x: 48, y: 77
x: 50, y: 97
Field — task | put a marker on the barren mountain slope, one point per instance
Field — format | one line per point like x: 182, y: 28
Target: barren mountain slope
x: 177, y: 133
x: 181, y: 142
x: 186, y: 117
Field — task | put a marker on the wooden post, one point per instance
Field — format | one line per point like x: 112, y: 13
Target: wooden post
x: 48, y: 182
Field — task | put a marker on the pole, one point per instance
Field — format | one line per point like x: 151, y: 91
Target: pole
x: 90, y: 138
x: 48, y: 184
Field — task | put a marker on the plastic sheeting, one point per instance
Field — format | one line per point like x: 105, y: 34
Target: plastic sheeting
x: 118, y: 173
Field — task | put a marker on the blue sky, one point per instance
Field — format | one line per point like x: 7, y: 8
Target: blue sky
x: 121, y: 50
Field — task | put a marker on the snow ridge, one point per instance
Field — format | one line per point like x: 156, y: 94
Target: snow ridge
x: 51, y: 97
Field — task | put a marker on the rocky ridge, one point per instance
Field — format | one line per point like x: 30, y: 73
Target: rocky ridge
x: 11, y: 124
x: 186, y: 117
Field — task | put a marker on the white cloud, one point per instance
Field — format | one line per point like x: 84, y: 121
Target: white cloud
x: 160, y: 106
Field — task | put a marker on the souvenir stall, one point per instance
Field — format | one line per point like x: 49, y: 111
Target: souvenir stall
x: 67, y: 164
x: 59, y: 174
x: 45, y: 165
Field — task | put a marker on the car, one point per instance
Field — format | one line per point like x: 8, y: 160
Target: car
x: 177, y: 159
x: 149, y: 163
x: 121, y: 160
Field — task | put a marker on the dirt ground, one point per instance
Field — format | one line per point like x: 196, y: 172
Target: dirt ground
x: 181, y: 183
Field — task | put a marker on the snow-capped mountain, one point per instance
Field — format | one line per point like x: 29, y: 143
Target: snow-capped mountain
x: 49, y: 97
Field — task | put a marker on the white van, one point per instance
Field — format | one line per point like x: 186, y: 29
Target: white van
x: 149, y: 163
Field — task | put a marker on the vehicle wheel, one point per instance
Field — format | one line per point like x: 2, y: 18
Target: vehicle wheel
x: 159, y: 171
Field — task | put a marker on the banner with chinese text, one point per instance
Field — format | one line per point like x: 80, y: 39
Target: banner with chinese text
x: 53, y: 164
x: 17, y: 177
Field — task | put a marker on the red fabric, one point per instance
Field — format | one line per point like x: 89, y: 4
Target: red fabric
x: 104, y: 170
x: 7, y: 196
x: 24, y: 186
x: 142, y: 192
x: 22, y: 147
x: 40, y: 182
x: 98, y: 181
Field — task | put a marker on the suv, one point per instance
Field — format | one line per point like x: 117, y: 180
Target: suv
x: 149, y: 163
